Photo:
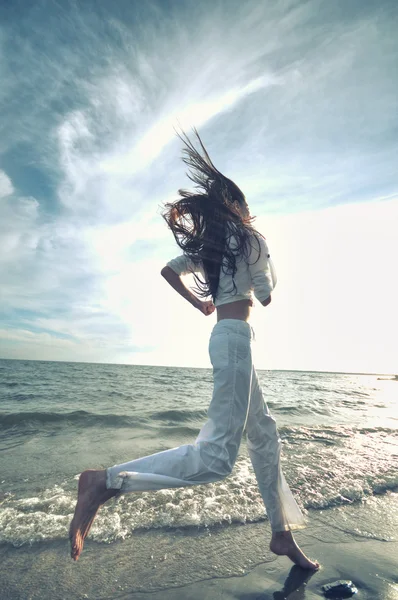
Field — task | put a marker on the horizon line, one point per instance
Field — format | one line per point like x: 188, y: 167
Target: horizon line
x: 207, y: 368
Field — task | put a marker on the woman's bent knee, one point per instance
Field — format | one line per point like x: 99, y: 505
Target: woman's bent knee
x: 218, y: 462
x: 220, y: 467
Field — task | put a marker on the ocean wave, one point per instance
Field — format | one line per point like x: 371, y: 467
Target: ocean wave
x: 345, y: 392
x: 78, y: 417
x: 184, y: 419
x: 23, y: 397
x: 89, y: 419
x: 46, y: 515
x: 179, y: 415
x: 164, y: 379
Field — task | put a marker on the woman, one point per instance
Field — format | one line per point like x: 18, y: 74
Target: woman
x: 229, y: 260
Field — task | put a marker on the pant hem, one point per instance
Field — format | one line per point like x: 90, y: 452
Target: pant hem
x: 116, y: 482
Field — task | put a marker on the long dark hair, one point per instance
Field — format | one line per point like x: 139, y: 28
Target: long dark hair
x: 204, y: 221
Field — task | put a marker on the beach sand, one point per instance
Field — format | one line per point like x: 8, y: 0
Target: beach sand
x: 193, y: 564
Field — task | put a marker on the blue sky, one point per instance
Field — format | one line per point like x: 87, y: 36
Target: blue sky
x: 296, y: 101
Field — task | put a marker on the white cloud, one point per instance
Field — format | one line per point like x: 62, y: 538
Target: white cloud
x: 18, y: 235
x: 6, y: 187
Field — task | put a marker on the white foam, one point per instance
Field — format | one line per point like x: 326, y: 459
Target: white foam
x: 331, y: 467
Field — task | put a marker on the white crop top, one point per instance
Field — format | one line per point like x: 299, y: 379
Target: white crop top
x: 252, y: 275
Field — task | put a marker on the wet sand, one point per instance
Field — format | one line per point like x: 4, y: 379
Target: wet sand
x: 178, y: 566
x: 371, y: 565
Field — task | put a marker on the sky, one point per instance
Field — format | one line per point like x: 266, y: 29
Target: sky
x: 295, y: 101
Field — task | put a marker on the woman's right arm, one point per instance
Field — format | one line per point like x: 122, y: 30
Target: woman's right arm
x: 172, y: 272
x: 176, y: 283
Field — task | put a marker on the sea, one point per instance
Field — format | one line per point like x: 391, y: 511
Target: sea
x: 340, y: 457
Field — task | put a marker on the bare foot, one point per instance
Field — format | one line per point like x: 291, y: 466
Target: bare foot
x: 92, y: 493
x: 284, y: 544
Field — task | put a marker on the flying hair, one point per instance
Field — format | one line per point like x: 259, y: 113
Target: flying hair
x: 204, y: 221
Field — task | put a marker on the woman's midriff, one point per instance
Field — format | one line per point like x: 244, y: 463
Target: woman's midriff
x: 235, y: 310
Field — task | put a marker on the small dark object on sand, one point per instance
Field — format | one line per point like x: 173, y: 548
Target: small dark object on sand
x: 339, y: 589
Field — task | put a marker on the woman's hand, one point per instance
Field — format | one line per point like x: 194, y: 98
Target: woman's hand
x: 266, y: 301
x: 206, y: 307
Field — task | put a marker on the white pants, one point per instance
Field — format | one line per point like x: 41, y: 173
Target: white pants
x: 237, y: 402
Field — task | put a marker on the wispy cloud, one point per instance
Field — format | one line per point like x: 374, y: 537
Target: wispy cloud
x: 6, y: 188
